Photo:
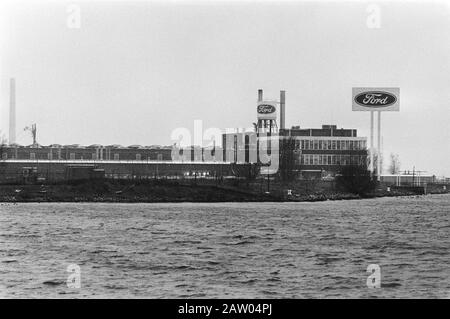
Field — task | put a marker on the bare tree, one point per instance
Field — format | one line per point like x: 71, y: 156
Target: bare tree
x: 287, y: 159
x: 356, y: 178
x: 394, y: 167
x: 3, y: 144
x: 375, y: 162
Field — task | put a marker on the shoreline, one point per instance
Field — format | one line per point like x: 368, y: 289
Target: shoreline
x: 167, y: 191
x: 306, y: 198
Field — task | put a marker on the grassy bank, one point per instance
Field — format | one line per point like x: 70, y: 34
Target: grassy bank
x: 181, y: 191
x: 127, y: 192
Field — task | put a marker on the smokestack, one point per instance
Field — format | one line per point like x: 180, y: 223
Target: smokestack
x: 260, y: 95
x: 282, y: 110
x: 12, y: 111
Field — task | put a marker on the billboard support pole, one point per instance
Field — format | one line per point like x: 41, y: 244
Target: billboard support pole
x: 379, y: 147
x: 371, y: 143
x: 379, y: 100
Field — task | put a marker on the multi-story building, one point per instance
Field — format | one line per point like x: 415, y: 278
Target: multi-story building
x: 317, y: 151
x: 325, y: 150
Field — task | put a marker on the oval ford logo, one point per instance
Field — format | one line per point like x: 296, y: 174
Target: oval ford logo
x: 375, y: 99
x: 266, y: 109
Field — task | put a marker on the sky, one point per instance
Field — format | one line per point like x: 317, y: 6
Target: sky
x: 133, y: 72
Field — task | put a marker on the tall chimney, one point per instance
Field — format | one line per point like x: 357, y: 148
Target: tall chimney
x: 260, y: 95
x: 12, y: 111
x: 282, y: 110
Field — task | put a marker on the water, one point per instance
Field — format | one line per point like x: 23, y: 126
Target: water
x: 230, y: 250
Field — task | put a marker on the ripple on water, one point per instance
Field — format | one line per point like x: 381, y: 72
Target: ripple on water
x: 229, y: 250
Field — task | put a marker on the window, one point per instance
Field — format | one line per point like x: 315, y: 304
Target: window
x: 316, y: 159
x: 5, y: 156
x: 32, y: 156
x: 316, y: 144
x: 333, y: 143
x: 72, y: 156
x: 320, y: 145
x: 351, y: 145
x: 307, y: 145
x: 303, y: 144
x: 138, y: 157
x: 116, y: 157
x: 160, y: 157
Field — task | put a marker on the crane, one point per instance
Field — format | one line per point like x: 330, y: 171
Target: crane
x: 32, y: 130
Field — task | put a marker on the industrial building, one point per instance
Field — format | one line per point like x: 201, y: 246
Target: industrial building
x: 54, y: 163
x: 318, y: 152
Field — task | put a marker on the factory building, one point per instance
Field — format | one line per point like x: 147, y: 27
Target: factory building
x: 318, y: 152
x: 323, y: 151
x: 92, y: 153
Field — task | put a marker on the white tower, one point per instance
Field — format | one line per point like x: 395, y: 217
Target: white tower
x: 12, y: 111
x: 266, y: 115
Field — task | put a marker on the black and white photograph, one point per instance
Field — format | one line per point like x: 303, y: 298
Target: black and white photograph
x: 224, y: 155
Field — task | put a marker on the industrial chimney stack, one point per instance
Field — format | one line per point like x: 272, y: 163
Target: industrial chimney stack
x: 260, y: 95
x: 282, y: 110
x: 12, y: 111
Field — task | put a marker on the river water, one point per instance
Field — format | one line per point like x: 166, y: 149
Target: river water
x: 229, y: 250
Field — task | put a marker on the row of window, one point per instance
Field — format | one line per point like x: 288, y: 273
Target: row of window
x: 94, y: 156
x: 330, y: 145
x: 313, y: 159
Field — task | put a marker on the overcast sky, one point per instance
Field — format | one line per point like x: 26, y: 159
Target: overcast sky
x: 135, y: 71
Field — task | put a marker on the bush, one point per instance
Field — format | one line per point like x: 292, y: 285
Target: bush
x: 355, y: 179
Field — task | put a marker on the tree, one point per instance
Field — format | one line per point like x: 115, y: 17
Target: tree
x: 394, y: 167
x: 248, y: 171
x: 375, y: 162
x: 3, y: 144
x: 355, y: 179
x: 287, y: 159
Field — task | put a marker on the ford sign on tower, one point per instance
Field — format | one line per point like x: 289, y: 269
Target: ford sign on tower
x: 376, y: 99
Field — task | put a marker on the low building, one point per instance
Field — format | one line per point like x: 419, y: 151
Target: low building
x: 406, y: 179
x: 93, y: 152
